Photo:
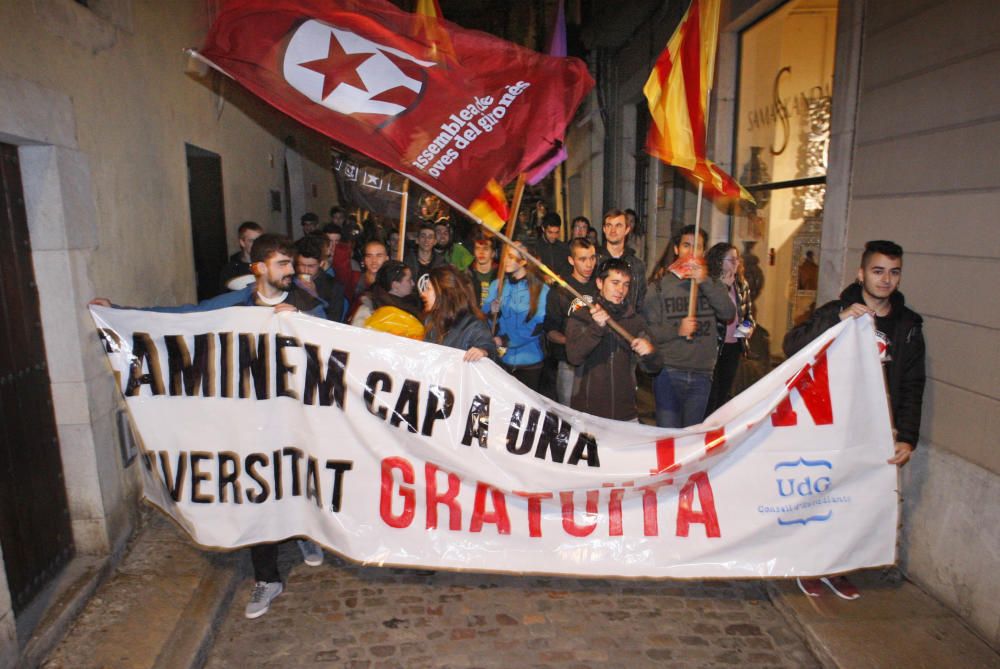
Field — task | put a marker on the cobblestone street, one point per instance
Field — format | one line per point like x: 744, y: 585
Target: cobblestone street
x: 346, y: 615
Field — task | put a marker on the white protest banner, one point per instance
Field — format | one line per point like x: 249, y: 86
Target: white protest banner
x: 259, y: 426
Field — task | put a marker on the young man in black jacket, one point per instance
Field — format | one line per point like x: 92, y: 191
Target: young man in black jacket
x: 605, y: 360
x: 901, y: 346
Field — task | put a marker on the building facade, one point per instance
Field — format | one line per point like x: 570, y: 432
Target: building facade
x: 850, y: 120
x: 105, y: 127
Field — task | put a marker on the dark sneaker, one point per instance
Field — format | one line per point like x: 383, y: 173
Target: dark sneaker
x: 841, y: 587
x: 813, y: 587
x: 261, y: 597
x: 312, y: 554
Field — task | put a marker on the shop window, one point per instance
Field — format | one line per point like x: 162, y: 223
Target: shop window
x: 782, y: 140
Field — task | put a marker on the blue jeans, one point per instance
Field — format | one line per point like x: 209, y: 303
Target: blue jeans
x: 681, y: 396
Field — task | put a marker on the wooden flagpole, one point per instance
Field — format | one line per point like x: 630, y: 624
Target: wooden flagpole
x: 403, y: 206
x: 508, y: 231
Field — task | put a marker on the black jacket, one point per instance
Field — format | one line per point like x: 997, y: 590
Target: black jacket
x: 558, y: 306
x: 637, y: 291
x: 905, y: 376
x: 605, y: 376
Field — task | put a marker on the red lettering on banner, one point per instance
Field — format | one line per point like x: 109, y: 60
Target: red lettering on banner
x: 534, y: 510
x: 499, y: 514
x: 814, y: 389
x: 615, y: 512
x: 706, y: 500
x: 448, y: 498
x: 568, y: 515
x: 408, y: 494
x: 650, y: 520
x: 666, y: 456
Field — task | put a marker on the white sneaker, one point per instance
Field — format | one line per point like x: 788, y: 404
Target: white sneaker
x: 261, y: 596
x: 312, y: 554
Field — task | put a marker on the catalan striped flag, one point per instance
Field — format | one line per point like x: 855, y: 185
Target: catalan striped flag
x: 491, y: 206
x: 677, y: 91
x: 429, y: 12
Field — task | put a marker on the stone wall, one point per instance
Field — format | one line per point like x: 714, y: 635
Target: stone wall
x: 926, y: 175
x: 101, y: 103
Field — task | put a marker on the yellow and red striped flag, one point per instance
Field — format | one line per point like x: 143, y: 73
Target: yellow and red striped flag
x: 429, y: 12
x: 491, y: 206
x: 677, y: 92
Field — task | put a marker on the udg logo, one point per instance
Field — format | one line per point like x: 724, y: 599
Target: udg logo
x: 803, y: 488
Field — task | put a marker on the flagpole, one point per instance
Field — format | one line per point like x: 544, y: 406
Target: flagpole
x: 612, y: 323
x: 403, y: 206
x: 511, y: 221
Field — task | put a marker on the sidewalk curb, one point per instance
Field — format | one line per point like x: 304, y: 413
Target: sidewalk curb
x: 191, y: 640
x: 811, y: 640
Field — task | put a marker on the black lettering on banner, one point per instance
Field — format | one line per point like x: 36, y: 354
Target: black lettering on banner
x: 185, y: 376
x: 585, y: 449
x: 295, y: 455
x: 229, y: 475
x: 198, y: 476
x: 338, y: 467
x: 528, y: 440
x: 437, y: 395
x: 331, y: 387
x: 312, y: 482
x: 554, y: 436
x: 477, y: 425
x: 254, y: 496
x: 144, y: 351
x: 407, y: 405
x: 174, y: 485
x: 112, y: 344
x: 281, y: 368
x: 514, y: 429
x: 276, y: 474
x: 253, y: 364
x: 377, y: 381
x: 225, y: 364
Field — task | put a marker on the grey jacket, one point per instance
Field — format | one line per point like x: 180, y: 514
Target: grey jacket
x: 667, y: 304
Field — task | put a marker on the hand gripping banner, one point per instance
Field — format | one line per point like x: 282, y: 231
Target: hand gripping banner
x: 259, y: 426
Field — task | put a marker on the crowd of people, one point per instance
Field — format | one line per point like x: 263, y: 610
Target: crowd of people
x: 578, y: 338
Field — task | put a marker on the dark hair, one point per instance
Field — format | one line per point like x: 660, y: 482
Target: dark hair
x: 613, y: 213
x: 580, y: 218
x: 426, y: 226
x: 310, y: 246
x: 689, y: 230
x: 668, y: 256
x: 249, y: 225
x: 332, y: 228
x: 551, y: 220
x: 613, y: 265
x: 267, y: 245
x: 309, y: 217
x: 336, y: 210
x: 632, y: 212
x: 364, y: 249
x: 716, y: 255
x: 389, y: 273
x: 481, y: 236
x: 454, y: 297
x: 883, y: 246
x: 580, y: 243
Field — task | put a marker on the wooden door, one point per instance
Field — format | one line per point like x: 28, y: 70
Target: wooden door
x: 35, y: 530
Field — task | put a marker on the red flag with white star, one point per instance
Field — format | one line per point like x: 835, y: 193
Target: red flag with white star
x: 362, y: 74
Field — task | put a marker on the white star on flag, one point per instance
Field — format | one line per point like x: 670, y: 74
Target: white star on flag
x: 361, y: 71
